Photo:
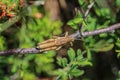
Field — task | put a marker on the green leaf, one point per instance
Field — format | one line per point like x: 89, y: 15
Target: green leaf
x: 79, y: 55
x: 76, y: 72
x: 118, y: 42
x: 77, y: 20
x: 117, y: 50
x: 83, y: 62
x: 81, y: 1
x: 71, y: 54
x: 75, y: 26
x: 59, y: 61
x: 71, y: 23
x: 79, y: 52
x: 104, y: 48
x: 89, y: 56
x: 62, y: 61
x: 118, y: 55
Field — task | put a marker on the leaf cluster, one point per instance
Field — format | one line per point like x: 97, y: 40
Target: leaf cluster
x: 70, y: 69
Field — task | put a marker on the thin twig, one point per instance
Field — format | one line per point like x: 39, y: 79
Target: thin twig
x: 75, y: 35
x: 20, y: 51
x: 95, y: 32
x: 85, y: 17
x: 88, y: 9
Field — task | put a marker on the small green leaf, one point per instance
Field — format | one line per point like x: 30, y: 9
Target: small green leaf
x: 89, y: 55
x: 71, y: 23
x: 81, y: 1
x: 84, y: 63
x: 80, y: 58
x: 74, y: 26
x: 77, y: 20
x: 118, y: 42
x: 79, y: 52
x: 62, y: 61
x: 71, y: 54
x: 118, y: 55
x: 104, y: 48
x: 59, y: 61
x: 117, y: 50
x: 79, y: 55
x: 76, y: 72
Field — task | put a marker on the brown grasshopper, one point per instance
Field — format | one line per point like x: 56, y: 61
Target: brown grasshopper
x: 54, y: 44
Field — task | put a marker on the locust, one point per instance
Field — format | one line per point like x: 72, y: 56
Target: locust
x: 55, y: 43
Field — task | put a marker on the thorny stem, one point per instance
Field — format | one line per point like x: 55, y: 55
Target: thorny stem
x: 75, y: 35
x: 85, y: 17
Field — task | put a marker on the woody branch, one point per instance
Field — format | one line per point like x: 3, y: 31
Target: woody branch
x: 75, y: 35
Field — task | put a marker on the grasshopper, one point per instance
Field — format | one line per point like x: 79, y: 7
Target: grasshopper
x: 54, y: 44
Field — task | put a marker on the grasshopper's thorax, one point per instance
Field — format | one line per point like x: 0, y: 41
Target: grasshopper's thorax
x: 63, y: 40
